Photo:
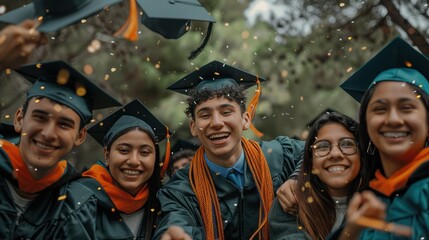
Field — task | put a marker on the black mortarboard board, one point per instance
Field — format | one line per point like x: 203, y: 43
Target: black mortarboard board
x: 397, y: 61
x: 326, y: 111
x: 214, y: 75
x: 56, y: 14
x: 172, y: 18
x: 131, y: 115
x: 182, y: 144
x: 62, y: 83
x: 7, y: 132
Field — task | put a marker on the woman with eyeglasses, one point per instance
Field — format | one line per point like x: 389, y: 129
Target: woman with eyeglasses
x: 331, y: 173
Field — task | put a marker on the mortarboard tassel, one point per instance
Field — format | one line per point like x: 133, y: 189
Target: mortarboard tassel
x: 130, y: 27
x: 167, y: 155
x: 197, y: 51
x: 251, y: 109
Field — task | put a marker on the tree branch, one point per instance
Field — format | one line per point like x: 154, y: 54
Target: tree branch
x: 416, y: 37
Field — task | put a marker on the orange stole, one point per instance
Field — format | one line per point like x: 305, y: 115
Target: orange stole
x: 123, y: 201
x: 26, y: 182
x: 399, y: 179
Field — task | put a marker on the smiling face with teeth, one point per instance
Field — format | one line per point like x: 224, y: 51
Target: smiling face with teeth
x: 131, y: 160
x: 48, y: 131
x: 397, y: 123
x: 219, y: 124
x: 336, y: 170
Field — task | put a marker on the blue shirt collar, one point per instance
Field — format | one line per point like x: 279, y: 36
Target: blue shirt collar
x: 238, y: 166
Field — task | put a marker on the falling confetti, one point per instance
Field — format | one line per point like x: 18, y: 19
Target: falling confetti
x: 62, y: 197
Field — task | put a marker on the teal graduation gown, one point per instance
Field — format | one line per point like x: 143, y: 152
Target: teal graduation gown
x: 46, y: 217
x: 409, y: 206
x: 109, y: 223
x: 239, y: 208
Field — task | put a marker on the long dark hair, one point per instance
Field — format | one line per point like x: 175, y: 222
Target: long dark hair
x: 373, y: 159
x: 152, y: 206
x: 317, y: 217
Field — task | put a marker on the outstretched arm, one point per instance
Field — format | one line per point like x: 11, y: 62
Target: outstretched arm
x: 17, y: 42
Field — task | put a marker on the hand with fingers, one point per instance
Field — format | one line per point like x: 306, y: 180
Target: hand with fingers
x: 175, y: 233
x: 17, y: 42
x: 362, y: 205
x: 287, y: 198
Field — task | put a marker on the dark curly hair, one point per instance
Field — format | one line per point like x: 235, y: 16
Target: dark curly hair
x: 232, y: 93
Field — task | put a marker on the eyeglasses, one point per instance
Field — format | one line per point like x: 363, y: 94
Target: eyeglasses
x: 347, y: 146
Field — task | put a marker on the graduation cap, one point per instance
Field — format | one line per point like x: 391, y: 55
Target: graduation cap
x: 55, y: 14
x: 183, y: 144
x: 172, y: 18
x: 62, y: 83
x: 217, y: 75
x: 7, y: 132
x: 131, y: 115
x: 213, y: 76
x: 326, y: 111
x: 397, y: 61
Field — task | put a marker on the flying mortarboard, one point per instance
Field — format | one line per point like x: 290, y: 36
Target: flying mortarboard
x: 172, y: 18
x: 56, y: 14
x: 62, y: 83
x: 217, y: 75
x: 7, y: 132
x: 397, y: 61
x: 133, y: 114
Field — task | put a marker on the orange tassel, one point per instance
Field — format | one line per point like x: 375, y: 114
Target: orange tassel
x: 167, y: 155
x: 251, y: 109
x: 130, y: 28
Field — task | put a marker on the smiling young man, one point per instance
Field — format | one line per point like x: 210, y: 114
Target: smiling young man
x: 38, y: 197
x: 227, y: 189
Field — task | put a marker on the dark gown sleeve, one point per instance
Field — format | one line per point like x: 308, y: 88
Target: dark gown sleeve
x: 79, y: 216
x: 283, y: 155
x: 179, y: 208
x: 283, y: 225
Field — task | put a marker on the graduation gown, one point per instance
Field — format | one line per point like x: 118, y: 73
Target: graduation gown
x: 109, y: 223
x: 409, y: 206
x: 239, y: 208
x: 47, y: 217
x: 284, y: 226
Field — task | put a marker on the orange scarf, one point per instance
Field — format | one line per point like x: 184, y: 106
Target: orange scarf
x: 122, y: 200
x: 129, y: 30
x: 26, y: 182
x: 399, y: 179
x: 203, y: 186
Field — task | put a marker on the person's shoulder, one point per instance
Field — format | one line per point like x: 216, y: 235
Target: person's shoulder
x: 76, y: 194
x: 179, y: 182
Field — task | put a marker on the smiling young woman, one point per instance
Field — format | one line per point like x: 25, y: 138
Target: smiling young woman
x: 127, y: 183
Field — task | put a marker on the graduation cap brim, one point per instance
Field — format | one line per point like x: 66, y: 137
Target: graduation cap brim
x: 49, y: 71
x: 182, y: 144
x: 213, y: 71
x: 170, y: 18
x: 396, y: 54
x: 135, y: 109
x: 53, y: 24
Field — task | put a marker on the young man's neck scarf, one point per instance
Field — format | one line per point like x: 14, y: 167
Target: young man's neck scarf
x: 203, y: 186
x: 26, y: 182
